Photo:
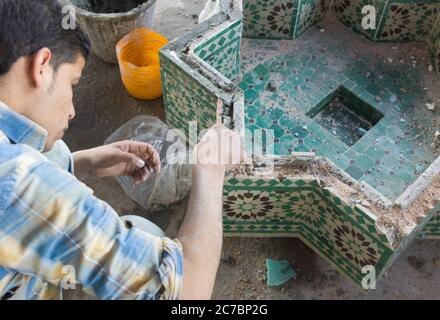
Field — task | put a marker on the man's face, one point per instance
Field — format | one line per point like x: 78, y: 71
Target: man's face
x: 56, y: 108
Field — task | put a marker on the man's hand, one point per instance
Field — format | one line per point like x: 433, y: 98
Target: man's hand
x: 125, y: 158
x: 220, y: 148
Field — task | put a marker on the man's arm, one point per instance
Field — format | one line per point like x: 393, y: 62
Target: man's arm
x: 76, y: 229
x: 201, y: 233
x: 52, y: 221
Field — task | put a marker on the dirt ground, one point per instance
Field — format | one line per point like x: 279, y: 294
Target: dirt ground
x: 103, y: 106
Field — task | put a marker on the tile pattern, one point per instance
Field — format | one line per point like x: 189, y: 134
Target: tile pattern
x: 345, y: 236
x: 309, y: 13
x: 349, y: 12
x: 281, y: 19
x: 280, y: 93
x: 397, y: 20
x: 222, y: 51
x: 185, y: 98
x: 259, y: 206
x: 270, y: 19
x: 409, y: 21
x: 432, y: 229
x: 434, y: 46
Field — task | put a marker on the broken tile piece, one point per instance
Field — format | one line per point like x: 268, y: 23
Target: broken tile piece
x: 279, y: 272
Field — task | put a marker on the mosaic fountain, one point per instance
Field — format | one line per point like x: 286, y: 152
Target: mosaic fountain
x: 355, y: 147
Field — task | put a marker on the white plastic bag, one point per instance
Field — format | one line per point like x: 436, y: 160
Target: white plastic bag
x: 174, y: 182
x: 233, y: 8
x: 211, y: 8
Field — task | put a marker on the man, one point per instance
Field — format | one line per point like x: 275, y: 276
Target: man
x: 50, y: 222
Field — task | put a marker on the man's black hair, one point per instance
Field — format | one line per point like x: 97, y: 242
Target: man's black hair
x: 26, y: 26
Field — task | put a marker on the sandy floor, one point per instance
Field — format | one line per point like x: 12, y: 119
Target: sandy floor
x: 103, y: 106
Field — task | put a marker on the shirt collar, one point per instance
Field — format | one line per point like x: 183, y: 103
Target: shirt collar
x: 21, y: 130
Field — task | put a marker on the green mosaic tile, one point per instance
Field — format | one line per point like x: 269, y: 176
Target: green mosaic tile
x: 270, y: 19
x: 309, y: 13
x: 287, y: 97
x: 350, y: 13
x: 344, y: 236
x: 398, y: 20
x: 432, y: 229
x: 434, y: 45
x: 281, y: 19
x: 185, y: 98
x: 222, y: 51
x: 409, y: 21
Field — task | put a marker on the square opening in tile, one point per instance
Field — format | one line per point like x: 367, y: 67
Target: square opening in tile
x: 346, y: 115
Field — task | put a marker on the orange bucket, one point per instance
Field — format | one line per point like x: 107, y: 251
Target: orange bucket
x: 138, y: 58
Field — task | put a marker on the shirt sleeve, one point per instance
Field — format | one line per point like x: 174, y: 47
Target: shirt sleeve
x: 61, y: 155
x: 54, y: 228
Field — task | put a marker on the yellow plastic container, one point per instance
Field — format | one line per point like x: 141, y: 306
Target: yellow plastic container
x: 138, y: 58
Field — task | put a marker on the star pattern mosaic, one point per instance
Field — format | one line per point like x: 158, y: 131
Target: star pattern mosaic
x: 281, y: 19
x: 397, y: 20
x: 271, y: 19
x: 185, y: 98
x: 409, y: 21
x: 347, y: 237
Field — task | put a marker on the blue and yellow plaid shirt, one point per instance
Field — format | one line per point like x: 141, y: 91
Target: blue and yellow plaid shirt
x: 52, y: 227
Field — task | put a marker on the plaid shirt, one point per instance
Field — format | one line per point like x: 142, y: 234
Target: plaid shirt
x: 54, y: 231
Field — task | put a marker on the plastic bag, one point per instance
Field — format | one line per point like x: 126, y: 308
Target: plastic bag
x: 174, y: 182
x: 212, y: 7
x: 232, y: 8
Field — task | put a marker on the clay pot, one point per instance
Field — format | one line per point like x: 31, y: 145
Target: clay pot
x: 106, y: 29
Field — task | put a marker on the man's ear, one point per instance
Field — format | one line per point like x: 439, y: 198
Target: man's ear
x: 40, y: 68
